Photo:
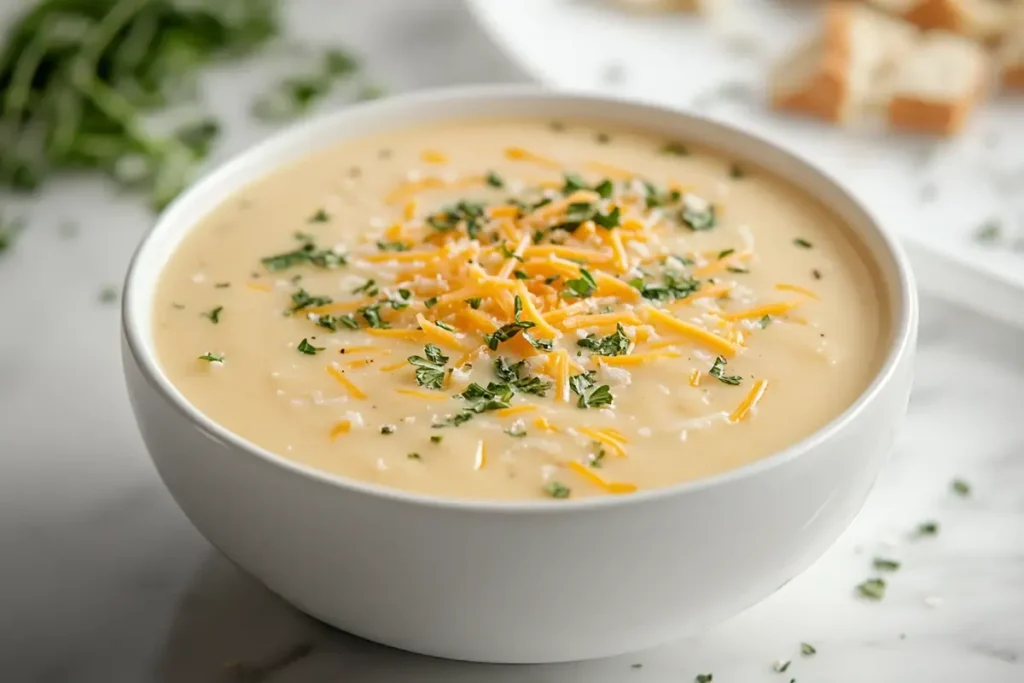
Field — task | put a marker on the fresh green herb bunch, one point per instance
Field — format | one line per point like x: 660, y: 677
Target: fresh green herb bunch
x: 77, y: 76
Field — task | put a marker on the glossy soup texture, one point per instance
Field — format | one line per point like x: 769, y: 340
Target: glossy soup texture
x: 520, y: 309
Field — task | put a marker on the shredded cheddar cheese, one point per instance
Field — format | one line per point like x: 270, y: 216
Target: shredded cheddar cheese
x: 785, y: 287
x: 609, y: 438
x: 426, y: 395
x: 515, y: 410
x: 480, y: 457
x: 594, y: 478
x: 339, y: 428
x: 749, y: 401
x: 350, y: 386
x: 708, y: 339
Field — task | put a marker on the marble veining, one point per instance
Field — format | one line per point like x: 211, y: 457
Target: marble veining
x: 103, y: 580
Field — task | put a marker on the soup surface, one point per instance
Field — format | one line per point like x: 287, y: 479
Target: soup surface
x: 520, y: 309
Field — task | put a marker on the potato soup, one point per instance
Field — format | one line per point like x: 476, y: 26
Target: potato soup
x: 520, y: 309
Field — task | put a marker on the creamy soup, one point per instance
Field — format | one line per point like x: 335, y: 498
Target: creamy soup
x: 520, y: 309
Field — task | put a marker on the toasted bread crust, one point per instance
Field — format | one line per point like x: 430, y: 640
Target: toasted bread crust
x: 1012, y: 77
x: 920, y: 116
x: 936, y: 14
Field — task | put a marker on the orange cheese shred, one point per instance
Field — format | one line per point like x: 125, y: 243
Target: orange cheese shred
x: 339, y: 428
x: 350, y: 386
x: 439, y: 335
x: 749, y: 401
x: 668, y: 323
x: 542, y: 423
x: 606, y: 438
x: 695, y: 378
x: 515, y: 410
x: 419, y: 393
x: 258, y: 286
x: 636, y: 358
x: 786, y: 287
x: 761, y: 311
x: 594, y: 478
x: 625, y: 317
x: 432, y: 156
x: 520, y: 154
x: 407, y: 335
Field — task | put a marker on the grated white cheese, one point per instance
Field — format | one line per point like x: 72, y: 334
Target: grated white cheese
x: 607, y: 374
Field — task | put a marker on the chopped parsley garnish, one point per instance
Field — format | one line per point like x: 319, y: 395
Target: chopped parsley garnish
x: 603, y: 138
x: 414, y: 456
x: 557, y: 489
x: 961, y: 487
x: 510, y: 330
x: 596, y: 460
x: 431, y: 302
x: 608, y: 220
x: 308, y: 349
x: 469, y: 214
x: 429, y: 370
x: 583, y: 286
x: 320, y: 216
x: 885, y: 564
x: 369, y: 288
x: 801, y: 242
x: 516, y: 431
x: 517, y: 375
x: 598, y: 398
x: 765, y: 321
x: 718, y: 372
x: 873, y: 589
x: 444, y: 326
x: 214, y: 314
x: 808, y: 650
x: 436, y: 438
x: 615, y: 344
x: 387, y: 429
x: 212, y: 357
x: 307, y: 253
x: 991, y: 231
x: 474, y: 303
x: 222, y: 285
x: 108, y: 295
x: 929, y: 528
x: 573, y: 182
x: 371, y: 314
x: 303, y: 299
x: 601, y: 396
x: 781, y: 666
x: 738, y: 270
x: 547, y: 345
x: 509, y: 253
x: 676, y: 149
x: 704, y: 678
x: 698, y: 219
x: 392, y: 246
x: 670, y: 289
x: 605, y: 188
x: 736, y: 172
x: 494, y: 180
x: 520, y: 275
x: 725, y: 252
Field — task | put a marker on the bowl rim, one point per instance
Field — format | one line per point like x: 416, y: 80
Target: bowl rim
x: 139, y: 343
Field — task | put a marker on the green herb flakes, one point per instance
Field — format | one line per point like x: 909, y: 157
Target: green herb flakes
x: 615, y: 344
x: 781, y: 666
x: 885, y: 564
x: 414, y: 456
x: 212, y: 357
x: 718, y: 372
x: 873, y: 589
x: 736, y: 172
x: 302, y: 299
x: 110, y: 295
x: 387, y: 429
x: 517, y: 431
x: 698, y: 220
x: 675, y: 149
x: 808, y: 650
x: 436, y: 438
x: 494, y: 180
x: 765, y: 321
x: 929, y: 528
x: 430, y: 370
x: 989, y: 232
x: 801, y: 242
x: 583, y: 286
x: 557, y: 489
x: 320, y: 216
x: 960, y: 487
x: 704, y: 678
x: 308, y: 349
x: 214, y: 314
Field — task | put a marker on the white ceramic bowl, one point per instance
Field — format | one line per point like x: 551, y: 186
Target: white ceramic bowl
x: 515, y: 582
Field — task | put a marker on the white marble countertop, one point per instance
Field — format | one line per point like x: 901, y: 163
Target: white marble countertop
x: 103, y: 580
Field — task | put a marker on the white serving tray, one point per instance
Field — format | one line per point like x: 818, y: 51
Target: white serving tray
x: 936, y: 195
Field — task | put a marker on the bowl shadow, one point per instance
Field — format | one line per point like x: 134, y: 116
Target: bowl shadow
x: 228, y: 628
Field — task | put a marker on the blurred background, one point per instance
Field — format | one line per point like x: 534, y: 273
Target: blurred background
x: 108, y: 108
